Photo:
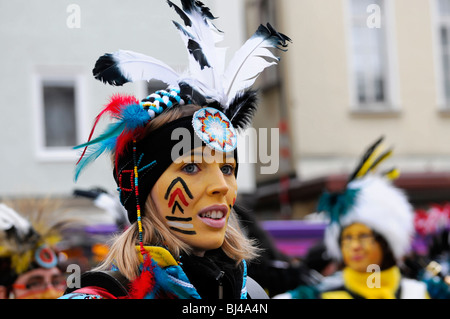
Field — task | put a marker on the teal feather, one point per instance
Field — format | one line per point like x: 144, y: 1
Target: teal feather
x: 130, y: 119
x: 337, y: 205
x: 93, y: 152
x: 96, y: 147
x: 113, y: 130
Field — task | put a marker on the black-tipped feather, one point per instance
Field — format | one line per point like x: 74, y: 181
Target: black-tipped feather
x: 181, y: 13
x: 366, y: 155
x: 252, y: 58
x: 192, y: 5
x: 242, y: 109
x: 198, y: 54
x: 106, y: 70
x: 183, y: 30
x: 281, y: 38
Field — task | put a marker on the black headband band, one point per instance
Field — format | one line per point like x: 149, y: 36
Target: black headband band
x: 153, y: 155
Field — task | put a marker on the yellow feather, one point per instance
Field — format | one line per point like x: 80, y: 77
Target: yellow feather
x: 393, y: 174
x: 370, y: 160
x: 20, y: 263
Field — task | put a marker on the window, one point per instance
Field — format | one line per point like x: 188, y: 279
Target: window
x: 58, y: 116
x: 371, y: 68
x: 442, y: 15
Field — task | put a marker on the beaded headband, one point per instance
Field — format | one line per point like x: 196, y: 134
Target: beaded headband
x: 139, y: 168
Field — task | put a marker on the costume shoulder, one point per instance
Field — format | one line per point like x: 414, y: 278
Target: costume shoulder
x: 332, y: 287
x: 89, y: 293
x: 413, y: 289
x: 99, y: 285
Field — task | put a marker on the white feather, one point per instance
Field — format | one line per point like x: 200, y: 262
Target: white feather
x: 10, y: 218
x: 247, y: 64
x: 136, y: 67
x: 206, y: 35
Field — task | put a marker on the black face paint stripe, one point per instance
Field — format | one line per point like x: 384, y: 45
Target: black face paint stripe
x: 178, y: 219
x: 175, y: 205
x: 186, y: 232
x: 174, y: 182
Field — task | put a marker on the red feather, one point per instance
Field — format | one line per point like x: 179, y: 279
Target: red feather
x: 114, y: 108
x: 123, y: 140
x: 145, y: 282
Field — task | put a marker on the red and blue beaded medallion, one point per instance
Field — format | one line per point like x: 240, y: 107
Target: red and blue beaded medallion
x: 215, y: 129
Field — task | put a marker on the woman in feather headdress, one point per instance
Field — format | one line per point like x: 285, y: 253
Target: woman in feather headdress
x: 175, y: 164
x: 28, y: 249
x: 370, y: 232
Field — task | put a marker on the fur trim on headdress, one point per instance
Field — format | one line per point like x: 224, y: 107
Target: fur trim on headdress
x: 371, y: 200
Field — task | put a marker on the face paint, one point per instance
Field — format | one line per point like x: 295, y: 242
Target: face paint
x: 359, y: 247
x: 40, y: 283
x: 195, y: 196
x: 178, y: 224
x: 178, y: 192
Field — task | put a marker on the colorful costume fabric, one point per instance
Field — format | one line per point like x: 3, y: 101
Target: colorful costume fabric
x: 165, y: 278
x: 350, y: 284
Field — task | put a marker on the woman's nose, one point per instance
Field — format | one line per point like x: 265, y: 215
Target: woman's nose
x: 355, y: 245
x: 217, y: 183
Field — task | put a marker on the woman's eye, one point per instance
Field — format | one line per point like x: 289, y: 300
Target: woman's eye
x: 227, y: 169
x: 190, y: 168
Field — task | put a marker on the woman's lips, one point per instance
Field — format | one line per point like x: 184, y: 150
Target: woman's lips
x: 357, y: 257
x: 214, y: 216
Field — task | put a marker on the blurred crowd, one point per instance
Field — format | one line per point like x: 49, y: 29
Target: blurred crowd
x: 40, y: 241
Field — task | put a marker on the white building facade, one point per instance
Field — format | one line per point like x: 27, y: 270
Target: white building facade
x: 49, y: 97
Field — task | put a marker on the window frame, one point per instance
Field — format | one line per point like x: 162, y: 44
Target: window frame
x: 391, y: 104
x: 443, y: 104
x: 44, y: 153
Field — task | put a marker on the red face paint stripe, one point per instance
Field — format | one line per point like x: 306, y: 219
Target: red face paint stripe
x: 180, y: 195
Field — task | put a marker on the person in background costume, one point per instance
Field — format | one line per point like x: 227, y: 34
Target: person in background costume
x: 29, y: 257
x: 175, y: 164
x: 370, y: 232
x: 430, y: 259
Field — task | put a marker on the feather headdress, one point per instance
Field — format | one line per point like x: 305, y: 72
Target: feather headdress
x: 206, y: 82
x: 370, y: 199
x: 207, y: 73
x: 30, y: 237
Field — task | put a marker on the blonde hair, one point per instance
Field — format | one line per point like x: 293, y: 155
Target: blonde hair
x: 123, y: 253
